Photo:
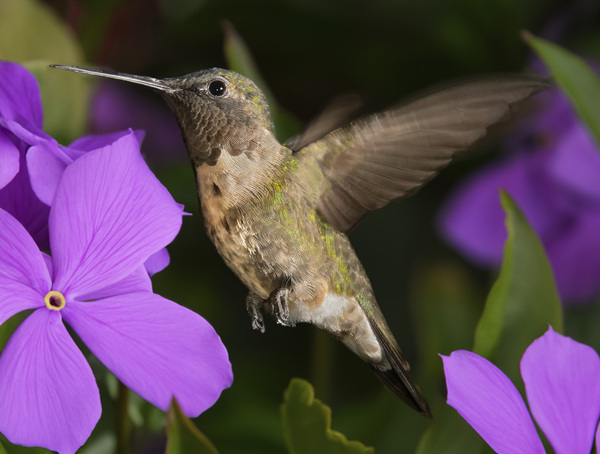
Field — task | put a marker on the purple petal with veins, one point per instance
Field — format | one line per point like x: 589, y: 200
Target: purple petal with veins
x: 490, y: 403
x: 48, y: 394
x: 562, y: 382
x: 98, y: 241
x: 157, y: 348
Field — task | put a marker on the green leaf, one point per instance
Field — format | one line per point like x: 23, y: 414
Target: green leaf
x: 239, y: 59
x: 31, y: 33
x: 523, y: 301
x: 307, y: 424
x: 450, y: 434
x: 575, y: 78
x: 7, y: 447
x: 183, y: 436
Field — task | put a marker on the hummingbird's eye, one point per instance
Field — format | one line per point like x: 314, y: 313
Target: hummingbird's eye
x: 217, y: 87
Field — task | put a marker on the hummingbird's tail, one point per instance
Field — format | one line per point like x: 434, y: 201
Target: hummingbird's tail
x: 398, y: 379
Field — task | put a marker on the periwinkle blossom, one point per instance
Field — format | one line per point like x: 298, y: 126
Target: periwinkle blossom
x: 109, y: 215
x: 552, y: 173
x: 562, y: 384
x: 32, y: 162
x: 20, y: 103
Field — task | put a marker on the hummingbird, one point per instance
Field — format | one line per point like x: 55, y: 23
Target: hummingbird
x: 279, y: 214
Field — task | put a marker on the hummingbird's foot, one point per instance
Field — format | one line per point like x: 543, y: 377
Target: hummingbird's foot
x: 253, y: 306
x: 279, y: 305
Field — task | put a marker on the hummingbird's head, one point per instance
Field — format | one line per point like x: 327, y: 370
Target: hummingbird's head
x: 218, y: 111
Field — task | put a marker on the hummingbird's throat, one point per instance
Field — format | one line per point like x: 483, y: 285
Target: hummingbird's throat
x: 54, y: 300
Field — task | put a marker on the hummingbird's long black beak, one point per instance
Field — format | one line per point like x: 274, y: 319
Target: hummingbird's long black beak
x: 151, y: 82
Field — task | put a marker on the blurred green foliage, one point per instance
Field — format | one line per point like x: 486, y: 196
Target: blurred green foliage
x: 308, y: 52
x: 183, y: 436
x: 522, y: 302
x: 31, y: 33
x: 575, y: 77
x: 307, y: 424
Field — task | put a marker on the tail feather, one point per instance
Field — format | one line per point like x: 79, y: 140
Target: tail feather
x: 398, y: 379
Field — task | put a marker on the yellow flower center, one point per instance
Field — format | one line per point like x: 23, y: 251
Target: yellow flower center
x: 54, y: 300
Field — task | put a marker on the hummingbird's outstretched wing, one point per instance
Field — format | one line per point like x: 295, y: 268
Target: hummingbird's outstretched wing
x: 385, y: 156
x: 335, y: 115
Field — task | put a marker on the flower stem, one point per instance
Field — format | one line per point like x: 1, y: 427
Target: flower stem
x: 123, y: 428
x: 322, y: 364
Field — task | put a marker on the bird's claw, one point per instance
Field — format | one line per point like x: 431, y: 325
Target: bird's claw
x: 253, y: 306
x: 279, y: 305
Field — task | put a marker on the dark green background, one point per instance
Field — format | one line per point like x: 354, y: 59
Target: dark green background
x: 308, y: 52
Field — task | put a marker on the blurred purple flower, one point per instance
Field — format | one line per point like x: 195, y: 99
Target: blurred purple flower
x: 553, y: 176
x: 117, y: 106
x: 109, y: 215
x: 562, y: 384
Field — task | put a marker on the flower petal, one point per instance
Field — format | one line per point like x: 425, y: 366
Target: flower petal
x: 45, y: 171
x: 155, y: 347
x: 490, y: 403
x: 138, y: 281
x: 20, y: 201
x: 19, y: 94
x: 27, y: 131
x: 473, y: 219
x: 157, y: 261
x: 17, y: 297
x: 47, y: 161
x: 562, y: 382
x: 9, y: 159
x: 48, y: 394
x: 575, y: 162
x: 20, y: 258
x: 95, y: 141
x: 109, y: 215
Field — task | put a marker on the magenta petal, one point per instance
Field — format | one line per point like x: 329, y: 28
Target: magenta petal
x: 562, y: 381
x: 26, y: 131
x: 45, y: 171
x: 95, y: 141
x: 48, y: 394
x: 9, y: 159
x: 17, y: 297
x: 20, y: 258
x: 21, y: 202
x: 490, y: 403
x: 19, y: 94
x: 155, y: 347
x: 109, y: 215
x: 157, y: 261
x: 138, y: 281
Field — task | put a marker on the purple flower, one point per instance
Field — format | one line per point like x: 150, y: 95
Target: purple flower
x: 562, y: 383
x: 31, y: 161
x: 553, y: 176
x: 109, y: 215
x: 20, y: 104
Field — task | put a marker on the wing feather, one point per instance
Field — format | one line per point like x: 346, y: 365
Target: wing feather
x: 382, y: 157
